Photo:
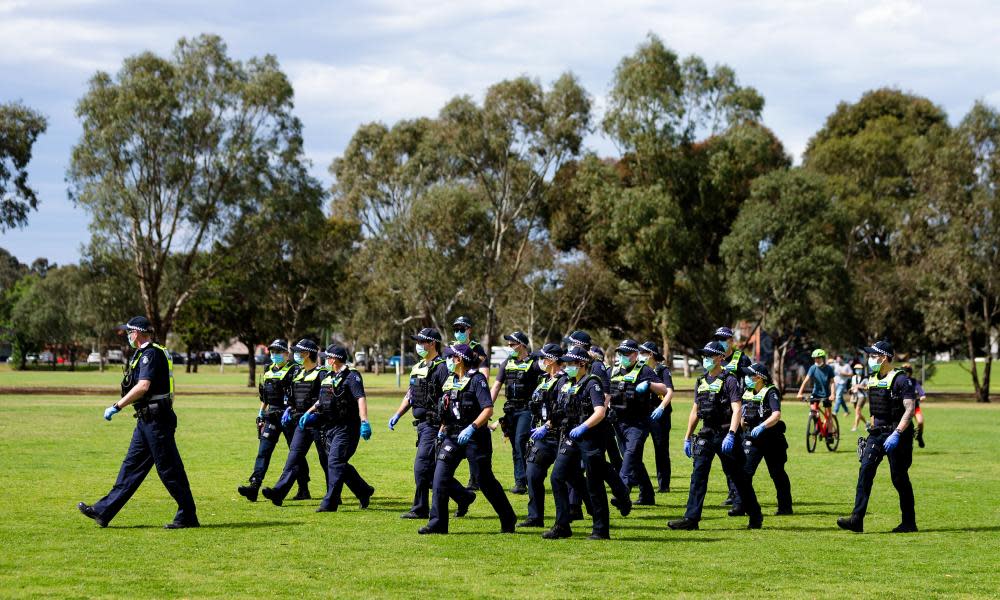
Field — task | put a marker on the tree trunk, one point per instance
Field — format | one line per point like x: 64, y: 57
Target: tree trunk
x: 251, y: 363
x: 971, y: 347
x: 984, y: 395
x: 687, y: 365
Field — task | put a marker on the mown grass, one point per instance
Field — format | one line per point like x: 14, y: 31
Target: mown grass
x: 57, y: 451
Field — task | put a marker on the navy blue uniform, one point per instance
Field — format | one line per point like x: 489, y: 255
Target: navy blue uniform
x: 519, y: 379
x: 427, y: 380
x: 340, y: 423
x: 305, y: 391
x: 770, y: 446
x: 659, y: 431
x: 708, y: 444
x: 152, y: 440
x: 274, y: 392
x: 885, y: 418
x: 587, y: 451
x: 466, y: 397
x: 632, y: 429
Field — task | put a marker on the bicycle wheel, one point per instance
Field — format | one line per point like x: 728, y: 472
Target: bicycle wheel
x: 812, y: 432
x: 832, y: 434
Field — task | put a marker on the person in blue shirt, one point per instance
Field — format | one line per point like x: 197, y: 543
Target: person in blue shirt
x: 821, y: 376
x: 919, y: 396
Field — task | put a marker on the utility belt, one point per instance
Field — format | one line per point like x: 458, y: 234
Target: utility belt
x: 515, y: 405
x: 452, y: 431
x: 150, y: 408
x: 881, y: 429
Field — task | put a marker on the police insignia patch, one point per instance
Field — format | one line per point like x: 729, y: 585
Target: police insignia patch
x: 145, y: 359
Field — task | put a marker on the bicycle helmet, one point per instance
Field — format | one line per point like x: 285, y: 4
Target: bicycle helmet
x: 819, y: 353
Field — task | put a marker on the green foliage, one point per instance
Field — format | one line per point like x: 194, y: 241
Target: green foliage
x: 20, y: 127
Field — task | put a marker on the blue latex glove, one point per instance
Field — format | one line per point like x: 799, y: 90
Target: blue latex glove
x: 643, y: 387
x: 440, y: 436
x: 578, y: 431
x: 111, y: 411
x: 306, y: 419
x: 687, y: 448
x: 757, y: 430
x: 366, y: 431
x: 539, y: 432
x: 728, y: 443
x: 286, y: 417
x: 466, y: 435
x: 260, y: 414
x: 891, y: 442
x: 656, y: 414
x: 392, y: 422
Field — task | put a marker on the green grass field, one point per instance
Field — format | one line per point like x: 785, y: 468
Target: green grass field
x: 57, y: 450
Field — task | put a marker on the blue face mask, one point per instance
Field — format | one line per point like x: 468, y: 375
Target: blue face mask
x: 419, y: 349
x: 277, y: 358
x: 708, y: 363
x: 462, y: 337
x: 451, y: 365
x: 298, y: 358
x: 725, y: 345
x: 624, y: 361
x: 748, y: 382
x: 874, y: 364
x: 572, y: 371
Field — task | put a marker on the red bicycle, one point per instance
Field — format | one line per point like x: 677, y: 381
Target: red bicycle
x: 823, y: 425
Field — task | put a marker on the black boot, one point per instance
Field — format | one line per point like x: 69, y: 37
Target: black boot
x: 519, y: 488
x: 683, y: 523
x: 851, y: 524
x: 271, y: 495
x: 920, y: 438
x: 249, y: 491
x: 303, y: 493
x: 905, y: 528
x: 557, y: 532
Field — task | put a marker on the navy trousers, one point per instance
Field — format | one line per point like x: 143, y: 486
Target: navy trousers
x: 771, y: 447
x: 519, y: 422
x: 584, y: 456
x: 478, y: 451
x: 900, y: 460
x: 268, y: 442
x: 152, y: 445
x: 659, y: 431
x: 542, y: 455
x: 706, y: 446
x: 632, y: 436
x: 297, y: 451
x: 342, y: 442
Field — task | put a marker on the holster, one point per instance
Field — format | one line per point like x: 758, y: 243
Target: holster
x: 505, y: 426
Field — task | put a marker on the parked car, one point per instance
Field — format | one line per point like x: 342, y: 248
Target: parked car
x: 115, y: 356
x: 262, y: 359
x: 228, y: 359
x: 94, y: 358
x: 408, y: 361
x: 210, y: 358
x: 177, y: 357
x: 31, y: 359
x: 46, y: 357
x: 359, y: 359
x: 678, y: 362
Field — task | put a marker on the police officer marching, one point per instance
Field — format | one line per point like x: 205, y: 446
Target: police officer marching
x: 765, y: 432
x: 427, y: 380
x: 462, y: 334
x: 633, y: 388
x: 891, y: 403
x: 274, y: 392
x: 718, y: 403
x: 518, y: 375
x: 579, y: 414
x: 660, y: 418
x: 148, y: 385
x: 341, y: 415
x: 305, y: 392
x: 466, y: 408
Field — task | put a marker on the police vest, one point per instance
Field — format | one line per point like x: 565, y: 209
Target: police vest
x: 883, y: 402
x: 473, y: 344
x: 541, y: 398
x: 518, y: 388
x: 756, y: 409
x: 571, y: 407
x: 459, y: 405
x: 129, y: 380
x: 734, y: 362
x: 273, y: 389
x: 302, y: 385
x: 714, y: 409
x: 624, y: 398
x: 421, y: 394
x: 335, y: 402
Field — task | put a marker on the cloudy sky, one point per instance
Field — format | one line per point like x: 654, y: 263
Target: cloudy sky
x: 354, y: 62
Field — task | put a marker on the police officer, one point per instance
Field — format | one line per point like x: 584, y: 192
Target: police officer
x: 148, y: 385
x: 462, y: 334
x: 734, y: 361
x: 621, y: 500
x: 341, y: 415
x: 765, y: 432
x: 274, y: 392
x: 891, y: 402
x: 718, y: 404
x: 544, y: 443
x: 579, y: 413
x: 427, y: 380
x: 518, y: 375
x: 305, y: 392
x: 633, y: 387
x: 466, y: 408
x: 659, y: 419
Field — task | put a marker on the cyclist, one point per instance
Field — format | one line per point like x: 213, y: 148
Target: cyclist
x: 821, y: 376
x: 920, y: 396
x: 859, y: 393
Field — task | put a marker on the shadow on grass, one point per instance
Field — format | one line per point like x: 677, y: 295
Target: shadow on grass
x: 984, y: 528
x: 233, y: 525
